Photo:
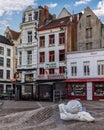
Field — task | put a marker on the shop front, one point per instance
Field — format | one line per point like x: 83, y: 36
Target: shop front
x: 46, y: 91
x: 98, y: 90
x: 76, y: 90
x: 85, y: 89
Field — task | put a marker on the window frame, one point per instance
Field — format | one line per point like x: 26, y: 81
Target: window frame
x: 1, y: 50
x: 73, y: 69
x: 62, y: 69
x: 1, y: 73
x: 51, y: 56
x: 61, y: 38
x: 86, y: 68
x: 51, y: 39
x: 62, y: 55
x: 29, y: 57
x: 42, y: 57
x: 42, y: 41
x: 8, y: 74
x: 29, y: 33
x: 8, y: 64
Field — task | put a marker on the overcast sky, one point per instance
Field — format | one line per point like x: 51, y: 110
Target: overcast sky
x: 11, y: 10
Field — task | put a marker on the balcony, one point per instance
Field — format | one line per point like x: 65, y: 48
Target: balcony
x: 51, y: 76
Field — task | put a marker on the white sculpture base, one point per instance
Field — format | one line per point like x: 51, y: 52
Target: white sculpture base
x: 73, y: 111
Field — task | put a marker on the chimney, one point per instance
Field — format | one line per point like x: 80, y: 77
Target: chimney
x: 46, y: 7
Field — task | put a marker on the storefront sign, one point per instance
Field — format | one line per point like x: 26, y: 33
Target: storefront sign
x: 51, y: 65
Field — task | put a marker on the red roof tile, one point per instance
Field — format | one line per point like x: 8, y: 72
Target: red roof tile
x: 15, y: 34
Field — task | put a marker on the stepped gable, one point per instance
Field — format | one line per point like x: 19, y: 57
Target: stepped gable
x: 15, y: 34
x: 5, y: 40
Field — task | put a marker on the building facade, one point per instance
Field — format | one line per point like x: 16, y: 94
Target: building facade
x: 6, y: 64
x: 27, y: 50
x: 55, y: 38
x: 85, y: 75
x: 85, y: 66
x: 90, y: 31
x: 14, y: 37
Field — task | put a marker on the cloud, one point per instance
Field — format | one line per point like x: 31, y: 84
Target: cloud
x: 99, y: 11
x: 3, y: 25
x: 81, y: 2
x: 52, y: 5
x: 9, y: 6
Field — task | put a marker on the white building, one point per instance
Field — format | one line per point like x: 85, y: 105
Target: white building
x: 6, y: 64
x: 85, y: 74
x: 27, y: 60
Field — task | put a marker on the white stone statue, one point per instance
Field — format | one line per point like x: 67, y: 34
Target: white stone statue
x: 73, y: 111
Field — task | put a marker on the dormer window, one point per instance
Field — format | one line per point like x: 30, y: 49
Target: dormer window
x: 35, y: 15
x: 30, y: 17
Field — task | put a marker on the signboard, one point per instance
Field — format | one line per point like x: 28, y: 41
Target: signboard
x: 51, y: 65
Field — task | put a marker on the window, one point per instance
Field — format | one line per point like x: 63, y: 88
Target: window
x: 8, y: 62
x: 29, y: 37
x: 29, y: 77
x: 29, y: 17
x: 8, y: 52
x: 98, y: 89
x: 20, y: 41
x: 77, y: 89
x: 29, y: 57
x: 61, y: 55
x: 42, y: 57
x: 89, y: 46
x: 51, y: 56
x: 8, y: 74
x: 35, y: 15
x: 41, y: 71
x: 16, y: 51
x: 79, y: 25
x: 89, y: 33
x: 61, y: 38
x: 1, y: 50
x: 1, y: 61
x: 1, y: 74
x: 1, y: 88
x: 16, y: 63
x: 42, y: 41
x: 100, y: 66
x: 28, y: 88
x: 20, y: 58
x: 62, y: 69
x: 73, y: 69
x: 51, y: 39
x: 88, y: 20
x: 51, y: 71
x: 86, y: 67
x: 9, y: 88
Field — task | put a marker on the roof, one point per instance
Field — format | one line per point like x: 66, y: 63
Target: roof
x: 5, y: 40
x: 15, y: 34
x: 29, y: 8
x: 64, y: 12
x: 55, y: 23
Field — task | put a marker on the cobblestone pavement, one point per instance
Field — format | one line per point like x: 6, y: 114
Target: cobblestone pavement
x: 31, y: 115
